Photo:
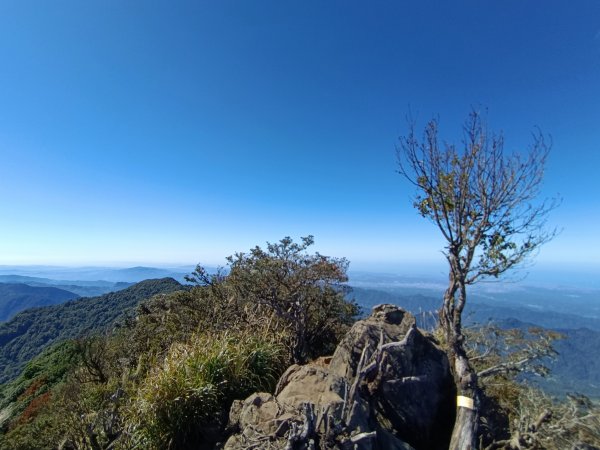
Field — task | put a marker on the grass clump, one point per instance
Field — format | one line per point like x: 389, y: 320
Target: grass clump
x: 184, y: 402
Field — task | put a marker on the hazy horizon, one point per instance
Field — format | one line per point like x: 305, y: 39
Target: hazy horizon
x: 540, y: 275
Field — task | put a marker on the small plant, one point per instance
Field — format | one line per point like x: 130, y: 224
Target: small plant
x: 186, y: 400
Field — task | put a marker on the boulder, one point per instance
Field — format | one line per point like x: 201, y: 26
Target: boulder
x: 258, y: 418
x: 312, y: 384
x: 387, y: 323
x: 387, y: 386
x: 412, y: 392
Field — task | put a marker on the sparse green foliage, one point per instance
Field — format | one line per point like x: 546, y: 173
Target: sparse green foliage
x: 497, y: 351
x: 515, y: 414
x: 480, y: 198
x: 483, y: 201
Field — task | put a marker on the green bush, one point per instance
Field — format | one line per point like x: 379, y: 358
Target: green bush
x: 184, y: 403
x: 302, y: 294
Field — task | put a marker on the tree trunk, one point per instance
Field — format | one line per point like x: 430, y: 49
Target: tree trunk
x: 464, y: 434
x: 299, y: 338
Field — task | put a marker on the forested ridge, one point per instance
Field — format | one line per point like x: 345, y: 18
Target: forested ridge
x: 31, y: 331
x: 15, y: 297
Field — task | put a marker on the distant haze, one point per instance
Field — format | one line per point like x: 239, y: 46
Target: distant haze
x: 426, y: 276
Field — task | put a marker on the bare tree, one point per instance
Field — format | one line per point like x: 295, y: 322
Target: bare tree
x: 482, y: 201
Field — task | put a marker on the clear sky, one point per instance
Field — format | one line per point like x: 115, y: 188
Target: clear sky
x: 179, y: 132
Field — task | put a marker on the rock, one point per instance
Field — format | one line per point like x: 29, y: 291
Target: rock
x: 261, y: 408
x: 258, y: 417
x: 387, y: 386
x: 234, y: 416
x: 387, y: 323
x: 412, y: 392
x: 312, y: 384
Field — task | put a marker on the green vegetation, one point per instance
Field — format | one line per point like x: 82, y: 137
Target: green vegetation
x: 158, y: 365
x: 303, y: 293
x: 23, y: 398
x: 40, y: 374
x: 15, y: 297
x: 33, y: 330
x: 167, y: 376
x: 484, y: 203
x: 184, y: 402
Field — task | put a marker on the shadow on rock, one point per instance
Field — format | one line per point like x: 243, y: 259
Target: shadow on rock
x: 387, y: 386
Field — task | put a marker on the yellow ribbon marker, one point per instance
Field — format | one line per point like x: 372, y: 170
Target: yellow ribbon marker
x: 465, y: 402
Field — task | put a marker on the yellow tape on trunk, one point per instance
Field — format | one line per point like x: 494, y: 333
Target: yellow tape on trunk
x: 465, y: 402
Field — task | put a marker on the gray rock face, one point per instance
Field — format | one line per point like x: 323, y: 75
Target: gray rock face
x: 387, y: 386
x: 387, y: 323
x: 312, y: 384
x: 413, y: 391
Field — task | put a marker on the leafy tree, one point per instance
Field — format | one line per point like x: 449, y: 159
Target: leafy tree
x: 304, y: 293
x: 483, y: 202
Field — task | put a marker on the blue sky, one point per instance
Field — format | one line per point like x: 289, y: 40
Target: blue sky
x: 180, y: 132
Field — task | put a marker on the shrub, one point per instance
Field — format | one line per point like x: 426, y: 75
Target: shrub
x: 302, y: 293
x: 184, y: 403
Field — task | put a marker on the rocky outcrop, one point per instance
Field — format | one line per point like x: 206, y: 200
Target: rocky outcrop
x: 387, y: 386
x: 387, y: 323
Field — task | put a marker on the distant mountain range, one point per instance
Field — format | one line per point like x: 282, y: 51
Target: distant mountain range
x: 582, y: 302
x: 80, y: 287
x: 30, y: 287
x: 17, y: 297
x: 577, y: 367
x: 97, y: 275
x: 31, y: 331
x: 574, y: 312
